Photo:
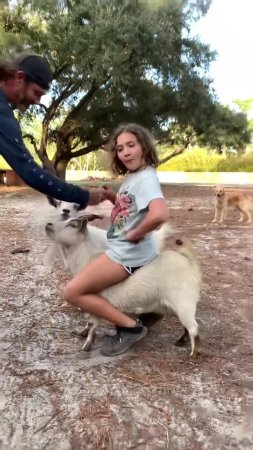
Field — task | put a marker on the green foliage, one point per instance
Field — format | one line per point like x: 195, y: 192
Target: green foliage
x: 242, y: 163
x: 3, y: 164
x: 208, y: 160
x: 224, y: 127
x: 117, y: 61
x: 246, y: 106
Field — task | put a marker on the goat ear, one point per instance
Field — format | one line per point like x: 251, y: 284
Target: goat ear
x: 91, y: 217
x: 52, y: 201
x: 82, y: 223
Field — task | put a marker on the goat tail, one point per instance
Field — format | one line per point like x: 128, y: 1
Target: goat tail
x: 185, y: 248
x: 163, y: 234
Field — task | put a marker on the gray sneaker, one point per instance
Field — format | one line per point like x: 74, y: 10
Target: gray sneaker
x: 123, y: 340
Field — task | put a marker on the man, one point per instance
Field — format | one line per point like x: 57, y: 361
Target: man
x: 23, y: 81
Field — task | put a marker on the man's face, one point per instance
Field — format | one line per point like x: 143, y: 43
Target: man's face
x: 25, y: 93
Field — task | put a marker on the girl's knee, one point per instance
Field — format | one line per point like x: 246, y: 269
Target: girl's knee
x: 70, y: 294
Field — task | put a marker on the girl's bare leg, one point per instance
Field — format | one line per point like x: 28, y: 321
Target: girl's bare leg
x: 82, y: 290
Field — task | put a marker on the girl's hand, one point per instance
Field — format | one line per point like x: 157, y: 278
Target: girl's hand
x: 131, y: 236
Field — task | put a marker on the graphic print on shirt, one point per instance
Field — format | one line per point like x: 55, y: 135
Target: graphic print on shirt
x: 125, y: 204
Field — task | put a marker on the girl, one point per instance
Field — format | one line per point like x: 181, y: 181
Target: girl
x: 139, y: 209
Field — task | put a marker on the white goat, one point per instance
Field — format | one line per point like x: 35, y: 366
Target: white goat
x: 97, y: 239
x: 68, y: 210
x: 65, y: 210
x: 170, y: 284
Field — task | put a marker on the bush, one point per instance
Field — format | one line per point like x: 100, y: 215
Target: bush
x: 205, y: 160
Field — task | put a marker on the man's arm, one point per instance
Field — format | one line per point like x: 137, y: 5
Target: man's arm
x: 18, y: 157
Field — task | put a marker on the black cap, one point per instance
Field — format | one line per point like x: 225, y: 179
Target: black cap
x: 36, y: 69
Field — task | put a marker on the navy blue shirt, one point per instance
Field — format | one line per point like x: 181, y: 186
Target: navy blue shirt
x: 13, y: 150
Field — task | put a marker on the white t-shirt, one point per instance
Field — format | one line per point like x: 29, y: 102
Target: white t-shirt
x: 131, y: 207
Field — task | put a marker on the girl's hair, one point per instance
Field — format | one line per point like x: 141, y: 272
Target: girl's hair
x: 145, y: 139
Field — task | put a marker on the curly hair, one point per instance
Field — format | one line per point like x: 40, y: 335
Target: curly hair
x: 145, y: 139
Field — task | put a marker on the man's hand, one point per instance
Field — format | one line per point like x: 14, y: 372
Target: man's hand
x: 110, y: 194
x: 97, y: 196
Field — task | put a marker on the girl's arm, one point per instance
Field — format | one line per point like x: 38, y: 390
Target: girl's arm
x: 158, y: 214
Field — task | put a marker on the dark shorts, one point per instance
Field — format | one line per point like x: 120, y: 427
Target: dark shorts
x: 131, y: 270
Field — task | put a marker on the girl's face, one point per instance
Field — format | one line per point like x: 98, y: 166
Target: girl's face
x: 129, y: 151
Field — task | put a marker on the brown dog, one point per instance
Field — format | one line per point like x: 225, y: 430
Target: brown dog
x: 223, y: 200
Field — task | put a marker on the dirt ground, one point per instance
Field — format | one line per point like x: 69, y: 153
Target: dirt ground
x: 54, y: 396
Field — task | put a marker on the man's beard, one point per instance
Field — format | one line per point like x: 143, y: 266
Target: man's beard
x: 21, y: 103
x: 22, y: 106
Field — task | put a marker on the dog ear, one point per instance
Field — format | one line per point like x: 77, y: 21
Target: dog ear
x: 52, y: 201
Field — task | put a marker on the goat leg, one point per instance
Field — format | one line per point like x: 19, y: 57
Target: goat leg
x: 149, y: 319
x: 90, y: 337
x: 85, y: 331
x: 183, y: 340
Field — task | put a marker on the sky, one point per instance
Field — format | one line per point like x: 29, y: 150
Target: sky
x: 227, y: 28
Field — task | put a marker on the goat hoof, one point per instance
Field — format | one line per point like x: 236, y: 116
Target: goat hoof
x: 195, y: 354
x: 196, y: 351
x: 86, y: 346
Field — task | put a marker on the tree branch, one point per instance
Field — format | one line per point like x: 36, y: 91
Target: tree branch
x: 60, y: 69
x: 44, y: 107
x: 69, y: 90
x: 176, y: 152
x: 47, y: 164
x: 85, y: 150
x: 33, y: 142
x: 83, y: 104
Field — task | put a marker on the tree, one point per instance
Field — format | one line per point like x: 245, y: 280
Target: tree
x: 115, y: 61
x: 224, y: 128
x: 246, y: 107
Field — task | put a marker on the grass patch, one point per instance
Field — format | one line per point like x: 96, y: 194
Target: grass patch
x: 3, y: 164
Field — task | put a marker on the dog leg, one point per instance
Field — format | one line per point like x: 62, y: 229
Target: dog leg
x: 215, y: 215
x: 223, y: 216
x: 249, y: 216
x: 241, y: 217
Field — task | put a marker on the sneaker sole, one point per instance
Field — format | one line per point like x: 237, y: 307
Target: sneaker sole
x: 127, y: 346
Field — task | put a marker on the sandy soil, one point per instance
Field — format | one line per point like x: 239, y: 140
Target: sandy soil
x: 54, y: 396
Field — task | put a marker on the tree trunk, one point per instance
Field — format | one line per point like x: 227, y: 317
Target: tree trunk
x: 61, y: 168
